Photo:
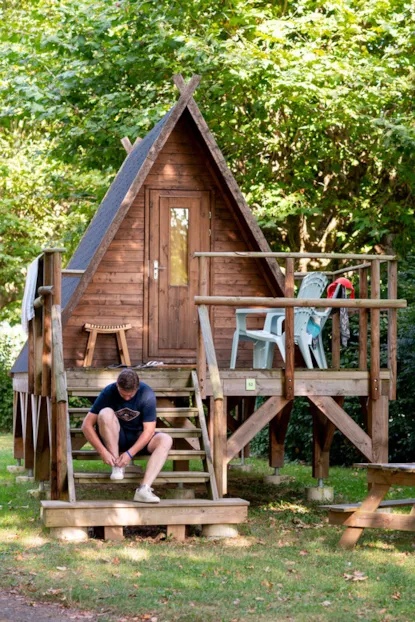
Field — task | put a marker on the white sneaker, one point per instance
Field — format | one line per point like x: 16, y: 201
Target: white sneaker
x: 144, y: 494
x: 117, y: 473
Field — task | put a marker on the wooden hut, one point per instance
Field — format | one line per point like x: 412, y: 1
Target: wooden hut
x: 131, y: 290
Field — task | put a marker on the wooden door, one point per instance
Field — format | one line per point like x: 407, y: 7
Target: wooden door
x: 178, y: 226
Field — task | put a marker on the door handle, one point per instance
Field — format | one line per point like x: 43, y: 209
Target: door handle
x: 156, y: 270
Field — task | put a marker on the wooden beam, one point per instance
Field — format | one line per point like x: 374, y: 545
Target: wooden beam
x: 379, y: 428
x: 375, y: 333
x: 370, y: 504
x: 281, y: 303
x: 296, y: 255
x: 371, y: 520
x: 363, y: 317
x: 209, y: 465
x: 278, y: 427
x: 126, y: 143
x: 253, y: 425
x: 323, y: 433
x: 201, y: 353
x: 345, y: 424
x: 392, y: 328
x: 210, y: 352
x: 289, y: 332
x: 47, y: 327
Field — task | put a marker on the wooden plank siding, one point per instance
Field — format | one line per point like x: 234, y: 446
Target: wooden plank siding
x: 116, y: 293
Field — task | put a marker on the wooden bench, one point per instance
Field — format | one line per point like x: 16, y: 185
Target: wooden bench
x: 359, y: 516
x: 176, y: 514
x: 119, y: 331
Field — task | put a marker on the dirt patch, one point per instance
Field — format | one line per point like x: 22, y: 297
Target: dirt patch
x: 16, y: 608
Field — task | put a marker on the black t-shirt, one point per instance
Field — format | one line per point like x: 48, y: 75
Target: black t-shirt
x: 130, y: 413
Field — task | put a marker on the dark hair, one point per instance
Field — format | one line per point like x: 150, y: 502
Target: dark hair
x: 128, y: 380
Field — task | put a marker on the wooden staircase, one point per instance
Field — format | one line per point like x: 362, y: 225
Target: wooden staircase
x: 187, y: 424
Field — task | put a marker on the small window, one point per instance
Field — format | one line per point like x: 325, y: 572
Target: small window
x: 179, y: 231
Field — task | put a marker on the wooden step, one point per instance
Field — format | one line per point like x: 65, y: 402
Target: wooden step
x: 160, y: 392
x: 129, y: 513
x: 173, y: 432
x: 182, y: 412
x: 174, y: 454
x: 165, y: 477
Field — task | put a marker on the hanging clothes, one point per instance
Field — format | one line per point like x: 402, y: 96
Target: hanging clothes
x: 339, y: 289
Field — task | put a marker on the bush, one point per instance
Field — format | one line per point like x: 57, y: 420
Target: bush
x: 11, y: 340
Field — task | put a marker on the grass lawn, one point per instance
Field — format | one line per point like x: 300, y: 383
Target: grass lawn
x: 285, y: 565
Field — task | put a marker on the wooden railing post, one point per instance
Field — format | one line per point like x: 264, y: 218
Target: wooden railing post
x: 289, y: 331
x: 47, y: 325
x: 201, y: 354
x: 375, y: 332
x: 378, y: 404
x: 363, y: 293
x: 219, y: 408
x: 392, y: 328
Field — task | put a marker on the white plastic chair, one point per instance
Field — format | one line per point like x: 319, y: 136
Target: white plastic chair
x: 312, y: 286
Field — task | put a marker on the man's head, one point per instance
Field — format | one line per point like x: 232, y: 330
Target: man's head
x: 127, y: 384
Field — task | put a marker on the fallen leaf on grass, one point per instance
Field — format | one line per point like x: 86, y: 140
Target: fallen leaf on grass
x: 326, y: 603
x: 259, y: 598
x: 396, y: 596
x: 267, y: 584
x: 115, y: 561
x: 236, y: 601
x: 356, y: 576
x: 304, y: 552
x: 62, y: 568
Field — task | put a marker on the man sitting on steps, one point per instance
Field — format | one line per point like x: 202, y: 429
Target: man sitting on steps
x: 122, y: 423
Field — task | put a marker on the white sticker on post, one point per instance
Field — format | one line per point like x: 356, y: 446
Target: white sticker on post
x: 250, y: 384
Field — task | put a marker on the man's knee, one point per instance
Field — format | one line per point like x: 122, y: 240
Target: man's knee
x: 106, y: 415
x: 164, y: 440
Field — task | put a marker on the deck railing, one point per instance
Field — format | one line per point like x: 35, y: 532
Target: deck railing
x: 47, y: 378
x: 363, y: 305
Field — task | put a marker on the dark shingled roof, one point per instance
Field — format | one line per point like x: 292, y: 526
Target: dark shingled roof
x: 101, y: 221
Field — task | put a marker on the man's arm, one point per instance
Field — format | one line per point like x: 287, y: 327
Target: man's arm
x: 88, y: 428
x: 144, y: 438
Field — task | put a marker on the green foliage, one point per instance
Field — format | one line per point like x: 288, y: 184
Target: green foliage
x: 10, y: 343
x: 311, y: 103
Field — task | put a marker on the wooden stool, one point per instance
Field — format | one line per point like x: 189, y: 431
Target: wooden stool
x: 118, y: 331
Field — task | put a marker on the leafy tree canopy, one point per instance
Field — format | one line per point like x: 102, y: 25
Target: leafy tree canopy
x: 311, y: 102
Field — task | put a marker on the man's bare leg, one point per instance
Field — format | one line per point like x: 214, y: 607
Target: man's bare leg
x: 109, y: 429
x: 159, y: 447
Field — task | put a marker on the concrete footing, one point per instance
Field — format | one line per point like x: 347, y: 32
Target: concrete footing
x: 276, y: 480
x: 320, y: 493
x: 38, y: 493
x: 69, y: 534
x: 179, y: 493
x: 14, y: 468
x: 215, y: 532
x: 244, y: 468
x: 24, y: 479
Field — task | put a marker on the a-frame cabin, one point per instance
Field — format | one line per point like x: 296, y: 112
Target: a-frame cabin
x: 174, y: 196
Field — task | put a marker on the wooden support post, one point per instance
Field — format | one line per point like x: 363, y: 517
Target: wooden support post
x: 363, y: 293
x: 323, y: 432
x: 31, y: 357
x: 289, y: 331
x: 59, y: 402
x: 42, y: 449
x: 375, y: 333
x: 379, y: 428
x: 47, y: 327
x: 392, y: 328
x: 277, y: 431
x: 201, y: 353
x: 113, y: 533
x: 219, y: 447
x: 335, y: 340
x: 18, y: 449
x: 29, y: 449
x: 177, y: 531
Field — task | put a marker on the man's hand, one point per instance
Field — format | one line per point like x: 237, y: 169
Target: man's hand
x: 123, y: 460
x: 108, y: 458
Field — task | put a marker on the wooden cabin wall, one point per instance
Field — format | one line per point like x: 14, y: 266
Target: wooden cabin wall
x: 116, y: 293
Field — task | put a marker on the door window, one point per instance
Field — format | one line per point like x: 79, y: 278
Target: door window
x: 179, y: 242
